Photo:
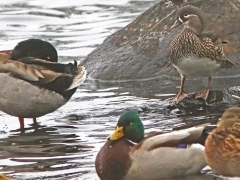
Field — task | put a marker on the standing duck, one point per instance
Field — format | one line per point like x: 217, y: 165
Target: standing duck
x: 33, y: 48
x: 34, y: 87
x: 223, y: 144
x: 128, y: 155
x: 195, y: 53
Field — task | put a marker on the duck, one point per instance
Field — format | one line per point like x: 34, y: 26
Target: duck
x: 129, y: 155
x: 194, y: 52
x: 37, y: 48
x: 223, y: 144
x: 34, y: 87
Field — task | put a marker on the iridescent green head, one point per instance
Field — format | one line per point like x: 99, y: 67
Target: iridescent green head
x: 129, y: 126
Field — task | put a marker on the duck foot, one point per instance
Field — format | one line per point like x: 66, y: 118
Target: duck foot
x: 180, y: 96
x: 202, y: 94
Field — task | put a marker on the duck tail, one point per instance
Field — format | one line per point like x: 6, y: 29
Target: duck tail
x: 227, y: 64
x: 79, y: 77
x: 206, y: 131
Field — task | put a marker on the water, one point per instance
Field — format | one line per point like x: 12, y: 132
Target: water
x: 66, y: 143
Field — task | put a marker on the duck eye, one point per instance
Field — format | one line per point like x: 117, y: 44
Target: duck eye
x: 185, y: 15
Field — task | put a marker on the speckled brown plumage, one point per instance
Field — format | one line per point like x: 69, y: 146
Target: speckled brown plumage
x: 195, y: 53
x: 222, y: 148
x: 188, y: 43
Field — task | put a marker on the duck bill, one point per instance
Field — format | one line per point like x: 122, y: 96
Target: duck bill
x: 176, y: 23
x: 117, y: 134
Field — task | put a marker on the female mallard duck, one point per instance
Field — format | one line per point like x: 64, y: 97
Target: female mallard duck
x: 127, y: 155
x: 195, y: 53
x: 32, y: 48
x: 223, y: 144
x: 33, y: 87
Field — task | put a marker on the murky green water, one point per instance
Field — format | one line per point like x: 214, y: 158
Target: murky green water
x: 66, y: 143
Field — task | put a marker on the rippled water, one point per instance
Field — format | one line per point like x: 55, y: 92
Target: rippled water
x: 66, y: 143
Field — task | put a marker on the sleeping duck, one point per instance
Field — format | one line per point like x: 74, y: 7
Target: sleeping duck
x: 32, y: 48
x: 32, y: 87
x: 128, y: 155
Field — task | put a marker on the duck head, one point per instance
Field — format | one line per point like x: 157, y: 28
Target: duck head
x: 35, y: 48
x: 130, y: 127
x: 191, y: 17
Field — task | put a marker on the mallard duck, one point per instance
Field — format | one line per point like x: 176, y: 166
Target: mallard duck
x: 128, y: 155
x: 195, y: 53
x: 223, y: 144
x: 33, y: 87
x: 32, y: 48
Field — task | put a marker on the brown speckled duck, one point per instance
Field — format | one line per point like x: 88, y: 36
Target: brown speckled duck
x: 128, y: 155
x: 195, y: 53
x: 33, y: 87
x: 223, y: 144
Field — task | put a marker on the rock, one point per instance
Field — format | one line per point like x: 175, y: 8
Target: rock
x: 139, y: 51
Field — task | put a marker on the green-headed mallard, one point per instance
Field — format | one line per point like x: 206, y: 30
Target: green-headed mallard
x: 128, y: 155
x: 195, y: 53
x: 223, y: 144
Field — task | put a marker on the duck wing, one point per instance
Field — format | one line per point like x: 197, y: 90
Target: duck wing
x: 172, y: 139
x: 34, y: 72
x: 215, y: 49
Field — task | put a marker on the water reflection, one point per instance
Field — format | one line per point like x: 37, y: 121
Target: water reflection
x: 44, y: 149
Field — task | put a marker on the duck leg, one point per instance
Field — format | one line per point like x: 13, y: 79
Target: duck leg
x: 35, y: 124
x: 181, y: 93
x: 34, y: 120
x: 204, y: 93
x: 21, y: 122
